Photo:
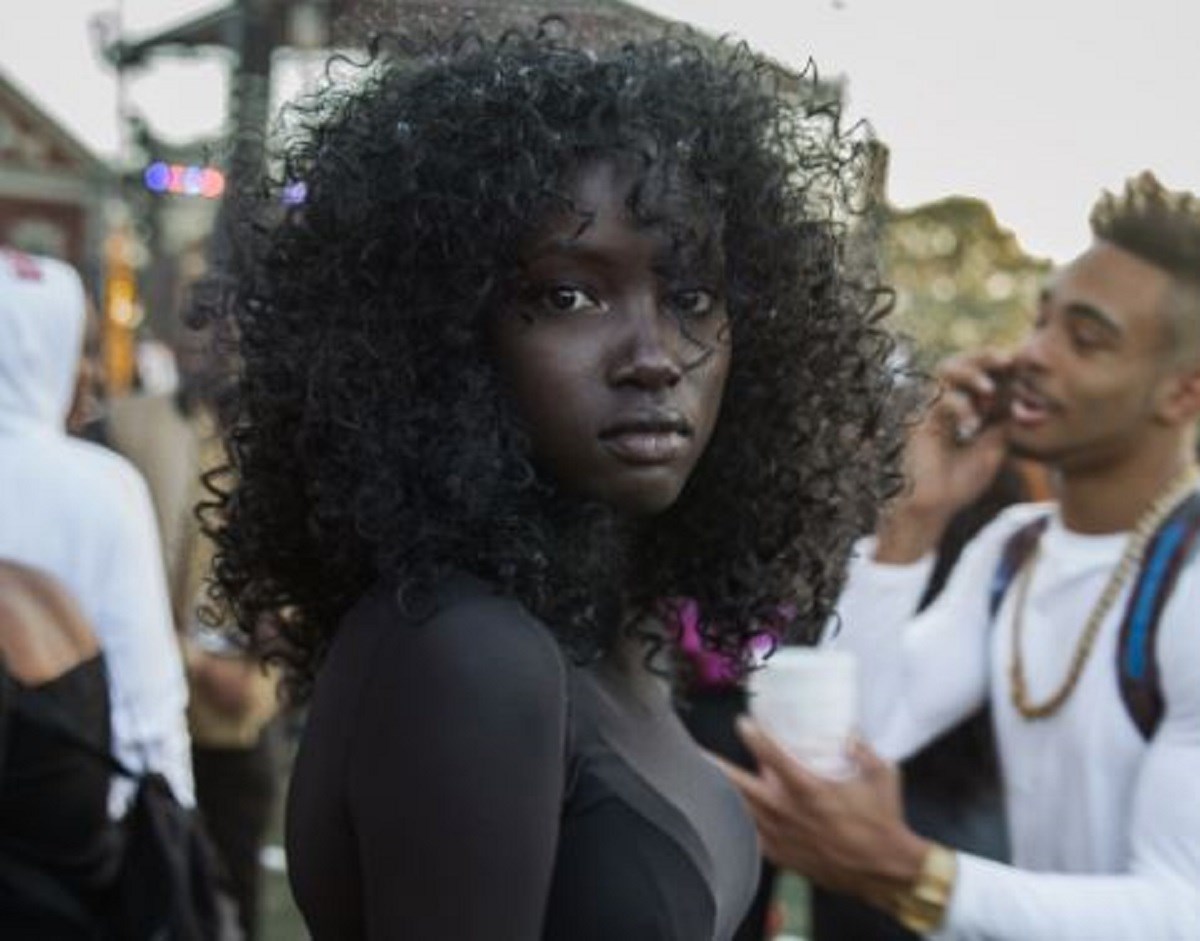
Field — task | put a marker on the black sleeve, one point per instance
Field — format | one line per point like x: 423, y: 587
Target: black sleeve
x: 453, y: 774
x: 6, y: 695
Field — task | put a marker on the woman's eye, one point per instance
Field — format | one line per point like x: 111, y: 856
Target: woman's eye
x: 565, y: 299
x: 695, y: 302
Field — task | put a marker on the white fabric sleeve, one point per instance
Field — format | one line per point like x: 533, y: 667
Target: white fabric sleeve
x: 876, y: 603
x: 1159, y: 898
x: 147, y: 685
x: 918, y: 675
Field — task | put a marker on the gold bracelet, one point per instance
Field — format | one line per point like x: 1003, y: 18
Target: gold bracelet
x: 922, y: 906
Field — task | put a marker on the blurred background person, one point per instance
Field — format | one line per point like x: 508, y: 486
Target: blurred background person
x: 82, y: 514
x: 58, y: 848
x: 171, y: 437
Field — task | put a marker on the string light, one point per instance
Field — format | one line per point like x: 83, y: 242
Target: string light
x: 184, y: 180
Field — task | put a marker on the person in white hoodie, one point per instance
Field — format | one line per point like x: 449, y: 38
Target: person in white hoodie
x: 83, y: 514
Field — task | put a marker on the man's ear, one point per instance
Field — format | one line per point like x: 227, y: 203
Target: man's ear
x: 1179, y: 398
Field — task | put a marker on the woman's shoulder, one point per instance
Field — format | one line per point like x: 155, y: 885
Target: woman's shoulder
x: 468, y: 634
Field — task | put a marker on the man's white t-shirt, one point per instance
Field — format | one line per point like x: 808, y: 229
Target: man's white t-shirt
x: 1104, y: 826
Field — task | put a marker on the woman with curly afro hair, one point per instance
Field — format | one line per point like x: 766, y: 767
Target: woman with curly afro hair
x: 551, y: 338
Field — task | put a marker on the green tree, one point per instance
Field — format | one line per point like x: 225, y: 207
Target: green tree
x: 961, y: 280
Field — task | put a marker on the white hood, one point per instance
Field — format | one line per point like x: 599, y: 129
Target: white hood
x: 42, y: 315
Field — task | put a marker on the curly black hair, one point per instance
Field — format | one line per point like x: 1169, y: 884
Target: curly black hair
x: 368, y: 433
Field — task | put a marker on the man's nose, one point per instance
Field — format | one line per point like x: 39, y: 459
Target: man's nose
x: 1036, y: 349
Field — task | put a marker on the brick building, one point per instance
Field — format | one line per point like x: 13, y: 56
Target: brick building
x: 52, y: 187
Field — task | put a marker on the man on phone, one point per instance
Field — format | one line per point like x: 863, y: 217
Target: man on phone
x: 1077, y: 619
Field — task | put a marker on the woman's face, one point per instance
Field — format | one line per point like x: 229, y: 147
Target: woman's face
x: 616, y: 349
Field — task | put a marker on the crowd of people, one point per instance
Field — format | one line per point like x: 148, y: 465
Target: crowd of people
x: 103, y: 563
x: 558, y: 403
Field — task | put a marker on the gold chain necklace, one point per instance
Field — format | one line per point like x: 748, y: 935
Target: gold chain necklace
x: 1158, y: 511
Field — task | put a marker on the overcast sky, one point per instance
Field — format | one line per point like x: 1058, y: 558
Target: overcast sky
x: 1033, y: 105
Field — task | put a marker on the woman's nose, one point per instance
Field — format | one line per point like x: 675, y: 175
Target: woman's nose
x: 649, y: 349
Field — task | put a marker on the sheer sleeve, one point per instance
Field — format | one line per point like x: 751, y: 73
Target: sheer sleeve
x: 6, y: 693
x: 447, y: 743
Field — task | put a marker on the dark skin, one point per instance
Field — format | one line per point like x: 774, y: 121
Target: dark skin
x: 616, y: 356
x: 1101, y: 398
x: 228, y: 683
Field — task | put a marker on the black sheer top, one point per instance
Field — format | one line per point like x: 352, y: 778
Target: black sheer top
x: 459, y: 780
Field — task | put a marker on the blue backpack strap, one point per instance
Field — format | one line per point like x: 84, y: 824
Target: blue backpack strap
x: 1137, y: 669
x: 1016, y: 553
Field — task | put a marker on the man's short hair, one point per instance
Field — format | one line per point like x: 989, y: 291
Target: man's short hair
x: 1162, y: 227
x: 1156, y: 224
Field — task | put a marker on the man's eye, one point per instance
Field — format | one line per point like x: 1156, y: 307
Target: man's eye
x: 1087, y: 335
x: 694, y: 302
x: 565, y: 298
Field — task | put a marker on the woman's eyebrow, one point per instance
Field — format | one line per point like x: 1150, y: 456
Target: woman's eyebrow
x: 566, y: 247
x: 690, y: 259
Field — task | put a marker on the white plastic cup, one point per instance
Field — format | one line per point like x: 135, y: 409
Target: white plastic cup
x: 806, y: 698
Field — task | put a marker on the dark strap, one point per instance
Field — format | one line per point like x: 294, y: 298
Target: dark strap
x: 1017, y: 550
x: 1172, y: 545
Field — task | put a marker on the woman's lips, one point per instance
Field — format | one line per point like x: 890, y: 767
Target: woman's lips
x: 646, y: 446
x: 647, y: 436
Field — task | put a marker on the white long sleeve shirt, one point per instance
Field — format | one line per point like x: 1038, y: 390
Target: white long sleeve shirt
x: 1105, y: 826
x: 83, y: 514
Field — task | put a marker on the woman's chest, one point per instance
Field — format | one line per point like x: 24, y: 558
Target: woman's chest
x: 654, y: 842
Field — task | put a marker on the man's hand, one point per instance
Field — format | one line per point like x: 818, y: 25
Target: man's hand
x: 846, y: 835
x: 234, y: 686
x: 950, y: 459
